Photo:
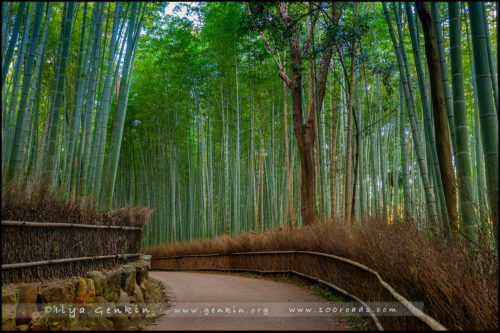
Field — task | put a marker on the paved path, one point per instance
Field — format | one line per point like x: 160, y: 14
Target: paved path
x: 203, y: 292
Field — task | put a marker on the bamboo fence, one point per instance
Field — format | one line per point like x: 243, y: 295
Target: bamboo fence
x: 36, y: 251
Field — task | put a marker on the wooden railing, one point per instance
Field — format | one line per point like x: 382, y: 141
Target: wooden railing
x: 344, y: 275
x: 66, y: 225
x: 60, y: 261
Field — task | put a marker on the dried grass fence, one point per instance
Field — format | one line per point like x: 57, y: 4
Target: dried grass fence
x: 351, y: 278
x: 458, y: 288
x: 35, y: 251
x: 70, y: 237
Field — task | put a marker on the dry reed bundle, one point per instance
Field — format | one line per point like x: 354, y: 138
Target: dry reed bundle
x: 23, y: 244
x: 457, y: 290
x: 40, y: 204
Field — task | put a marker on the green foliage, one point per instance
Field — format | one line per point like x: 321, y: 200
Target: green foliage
x: 204, y: 94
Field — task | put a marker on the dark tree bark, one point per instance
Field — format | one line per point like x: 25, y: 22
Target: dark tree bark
x: 304, y: 132
x: 351, y: 110
x: 439, y: 110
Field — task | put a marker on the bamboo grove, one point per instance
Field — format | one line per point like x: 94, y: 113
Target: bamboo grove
x: 250, y: 117
x: 66, y: 70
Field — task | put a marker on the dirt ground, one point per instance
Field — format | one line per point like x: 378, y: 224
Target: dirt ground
x: 198, y: 299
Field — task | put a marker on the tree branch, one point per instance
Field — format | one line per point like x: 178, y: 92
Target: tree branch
x: 346, y: 77
x: 277, y: 61
x: 307, y: 43
x: 283, y: 10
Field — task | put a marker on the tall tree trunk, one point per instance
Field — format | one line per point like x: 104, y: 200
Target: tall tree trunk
x: 316, y: 134
x: 467, y: 217
x: 259, y: 181
x: 90, y: 103
x: 6, y: 12
x: 312, y: 101
x: 75, y: 156
x: 33, y: 142
x: 12, y: 42
x: 211, y: 179
x: 7, y: 139
x: 491, y: 62
x: 15, y: 162
x: 429, y: 194
x: 116, y: 136
x: 440, y: 110
x: 431, y: 142
x: 304, y: 132
x: 252, y: 167
x: 347, y: 160
x: 106, y: 104
x: 479, y: 166
x: 227, y: 190
x: 488, y: 118
x: 287, y: 158
x: 444, y: 73
x: 334, y: 121
x: 352, y: 188
x: 50, y: 162
x: 34, y: 90
x: 237, y: 166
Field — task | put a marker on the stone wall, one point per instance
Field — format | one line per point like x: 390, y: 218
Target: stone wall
x: 33, y: 306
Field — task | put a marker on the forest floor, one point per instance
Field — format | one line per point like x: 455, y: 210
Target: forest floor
x: 201, y: 301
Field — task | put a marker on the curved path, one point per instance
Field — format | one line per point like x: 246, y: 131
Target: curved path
x: 238, y: 296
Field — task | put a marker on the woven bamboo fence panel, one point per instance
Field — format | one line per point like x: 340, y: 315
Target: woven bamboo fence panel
x: 353, y: 279
x: 38, y: 249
